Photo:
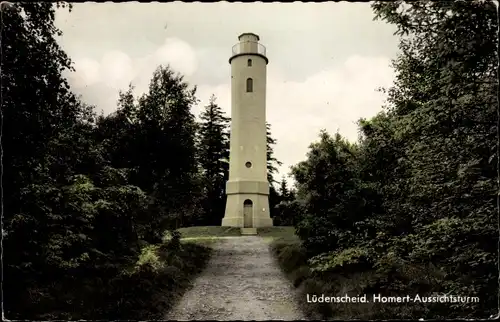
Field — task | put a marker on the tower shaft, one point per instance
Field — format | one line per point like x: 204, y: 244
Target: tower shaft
x: 247, y: 188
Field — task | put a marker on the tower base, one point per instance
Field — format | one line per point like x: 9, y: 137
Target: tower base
x: 247, y: 211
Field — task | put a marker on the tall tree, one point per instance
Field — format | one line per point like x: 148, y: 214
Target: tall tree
x: 283, y: 189
x: 447, y: 89
x: 272, y: 168
x: 119, y: 131
x: 60, y: 216
x: 417, y: 193
x: 286, y: 211
x: 166, y: 148
x: 36, y: 108
x: 213, y: 155
x: 327, y: 184
x: 29, y: 37
x: 272, y: 162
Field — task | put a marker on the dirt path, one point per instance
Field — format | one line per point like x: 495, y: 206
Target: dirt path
x: 241, y: 282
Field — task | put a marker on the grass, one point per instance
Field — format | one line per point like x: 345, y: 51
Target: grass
x: 218, y: 231
x: 206, y: 235
x: 274, y: 234
x: 208, y: 231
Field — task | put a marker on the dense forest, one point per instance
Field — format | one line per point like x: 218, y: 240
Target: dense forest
x: 84, y: 193
x: 412, y: 207
x: 413, y: 202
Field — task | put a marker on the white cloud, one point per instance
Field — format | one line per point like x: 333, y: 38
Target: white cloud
x: 88, y: 73
x: 319, y: 76
x: 174, y: 52
x: 178, y: 54
x: 116, y: 70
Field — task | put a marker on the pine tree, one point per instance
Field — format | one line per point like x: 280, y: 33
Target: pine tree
x: 272, y: 168
x: 213, y: 155
x: 283, y: 190
x: 272, y: 162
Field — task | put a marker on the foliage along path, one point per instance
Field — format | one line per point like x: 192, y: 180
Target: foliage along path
x: 241, y: 282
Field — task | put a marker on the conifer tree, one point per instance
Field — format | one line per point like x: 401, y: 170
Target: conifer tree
x: 213, y: 158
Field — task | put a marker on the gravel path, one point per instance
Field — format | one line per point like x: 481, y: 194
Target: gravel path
x: 241, y: 282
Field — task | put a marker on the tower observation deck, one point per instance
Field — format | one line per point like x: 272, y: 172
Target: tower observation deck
x: 248, y: 45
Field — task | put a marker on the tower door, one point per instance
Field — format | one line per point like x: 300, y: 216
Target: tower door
x: 247, y: 213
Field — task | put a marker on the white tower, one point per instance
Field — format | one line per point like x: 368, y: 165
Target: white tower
x: 247, y: 188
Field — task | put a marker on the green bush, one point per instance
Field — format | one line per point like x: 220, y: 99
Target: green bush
x: 347, y: 272
x: 349, y: 259
x: 144, y: 291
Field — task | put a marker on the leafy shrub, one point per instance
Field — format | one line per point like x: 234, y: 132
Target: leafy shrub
x: 349, y: 259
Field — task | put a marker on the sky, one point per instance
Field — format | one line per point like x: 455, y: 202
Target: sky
x: 326, y: 60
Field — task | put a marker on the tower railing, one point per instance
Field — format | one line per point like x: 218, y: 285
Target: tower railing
x: 249, y: 47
